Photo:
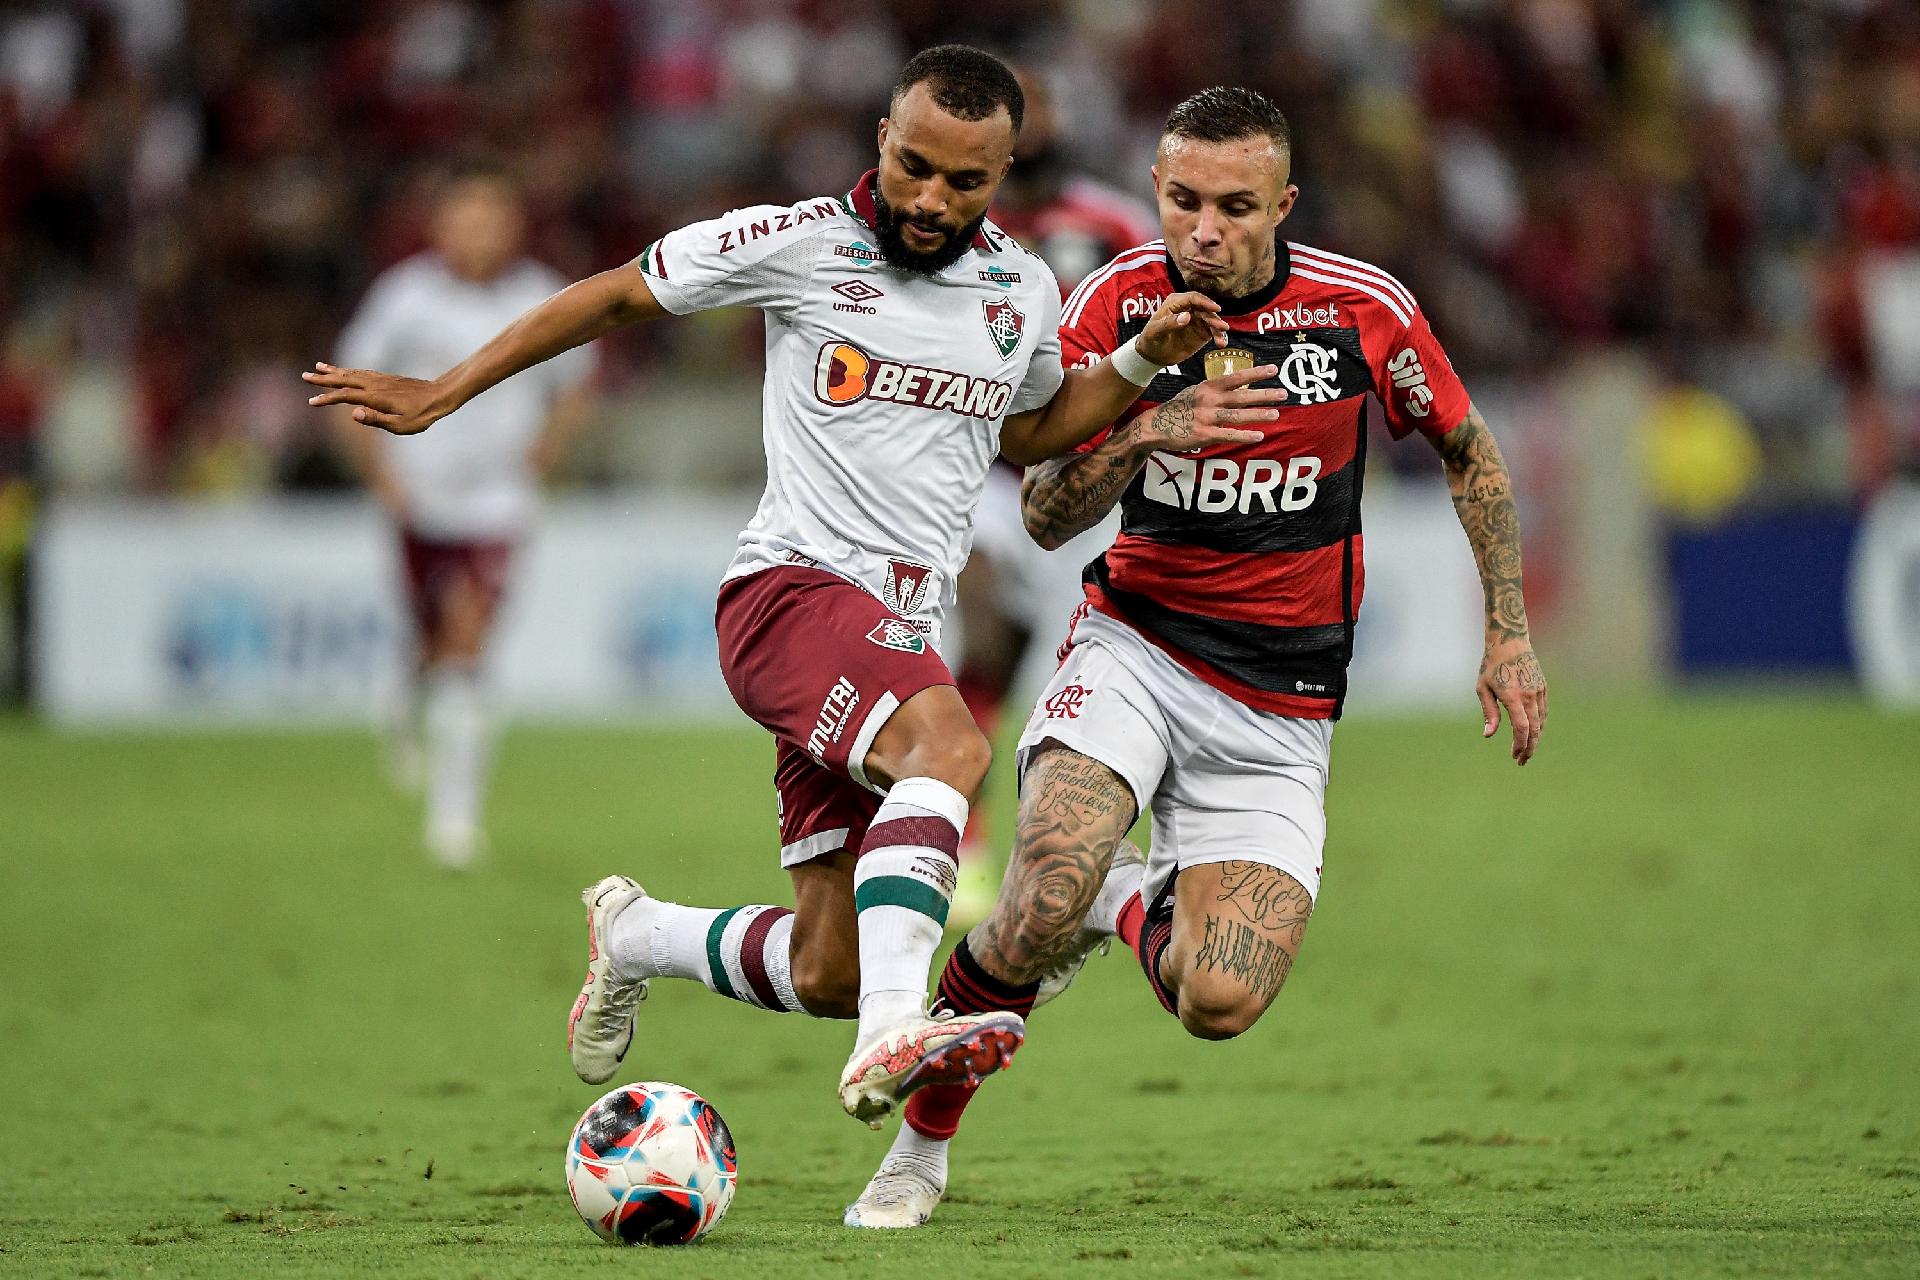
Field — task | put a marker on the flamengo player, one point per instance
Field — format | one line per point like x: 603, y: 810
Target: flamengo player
x: 462, y: 498
x: 1201, y: 680
x: 896, y: 365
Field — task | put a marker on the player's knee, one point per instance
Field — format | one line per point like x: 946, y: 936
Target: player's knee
x: 1214, y: 1013
x: 960, y: 758
x: 826, y: 990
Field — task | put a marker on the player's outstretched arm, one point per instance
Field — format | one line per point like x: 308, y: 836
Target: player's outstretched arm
x: 578, y: 313
x: 1510, y: 674
x: 1089, y: 399
x: 1064, y: 497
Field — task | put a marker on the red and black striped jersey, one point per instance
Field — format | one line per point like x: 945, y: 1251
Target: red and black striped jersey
x: 1244, y: 561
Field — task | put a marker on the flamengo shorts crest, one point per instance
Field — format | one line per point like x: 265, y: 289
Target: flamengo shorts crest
x: 1222, y: 780
x: 820, y: 664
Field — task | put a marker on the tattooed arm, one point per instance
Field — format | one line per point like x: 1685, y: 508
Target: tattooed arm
x: 1064, y: 497
x: 1510, y: 674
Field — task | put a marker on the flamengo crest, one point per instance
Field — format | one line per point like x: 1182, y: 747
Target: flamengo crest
x: 1004, y: 325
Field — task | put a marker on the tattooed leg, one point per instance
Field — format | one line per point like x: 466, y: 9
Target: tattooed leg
x: 1237, y: 927
x: 1074, y: 811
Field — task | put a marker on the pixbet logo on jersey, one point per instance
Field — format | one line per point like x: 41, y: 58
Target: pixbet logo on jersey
x: 1299, y: 316
x: 844, y: 374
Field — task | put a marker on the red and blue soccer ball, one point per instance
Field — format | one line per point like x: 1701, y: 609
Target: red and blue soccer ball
x: 651, y: 1163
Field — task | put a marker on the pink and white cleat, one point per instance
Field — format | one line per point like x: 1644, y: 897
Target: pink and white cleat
x: 945, y: 1048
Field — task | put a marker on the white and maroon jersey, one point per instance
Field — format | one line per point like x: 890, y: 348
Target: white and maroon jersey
x: 469, y: 479
x: 885, y: 389
x: 1243, y: 561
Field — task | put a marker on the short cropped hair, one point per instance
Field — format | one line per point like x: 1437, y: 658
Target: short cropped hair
x: 1227, y: 113
x: 964, y: 81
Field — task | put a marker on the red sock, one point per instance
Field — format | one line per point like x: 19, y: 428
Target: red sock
x: 1150, y: 939
x: 965, y: 987
x: 1133, y: 914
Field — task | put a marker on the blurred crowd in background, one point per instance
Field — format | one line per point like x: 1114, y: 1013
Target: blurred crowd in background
x: 194, y: 193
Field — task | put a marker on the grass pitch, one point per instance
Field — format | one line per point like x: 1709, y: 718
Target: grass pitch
x: 1648, y: 1007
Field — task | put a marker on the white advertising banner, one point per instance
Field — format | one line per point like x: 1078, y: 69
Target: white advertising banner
x: 290, y: 611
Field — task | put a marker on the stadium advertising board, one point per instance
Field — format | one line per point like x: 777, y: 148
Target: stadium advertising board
x: 173, y: 613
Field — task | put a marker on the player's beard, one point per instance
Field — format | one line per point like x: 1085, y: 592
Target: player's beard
x: 899, y: 255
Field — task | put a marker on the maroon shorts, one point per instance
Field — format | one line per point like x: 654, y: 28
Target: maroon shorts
x: 436, y: 569
x: 820, y: 664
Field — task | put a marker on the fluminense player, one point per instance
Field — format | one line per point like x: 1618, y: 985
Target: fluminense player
x: 897, y: 363
x: 1201, y: 679
x: 463, y: 498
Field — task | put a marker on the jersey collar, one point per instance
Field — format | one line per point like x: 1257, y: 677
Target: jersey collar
x: 1282, y: 267
x: 860, y: 203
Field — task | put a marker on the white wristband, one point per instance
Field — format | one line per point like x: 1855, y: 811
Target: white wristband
x: 1131, y: 365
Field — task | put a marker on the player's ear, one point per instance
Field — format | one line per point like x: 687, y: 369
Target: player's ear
x: 883, y: 133
x: 1155, y: 171
x: 1285, y: 205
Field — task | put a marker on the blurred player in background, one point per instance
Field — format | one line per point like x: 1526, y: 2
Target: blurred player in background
x: 1011, y: 587
x: 461, y: 499
x: 896, y: 364
x: 1201, y: 678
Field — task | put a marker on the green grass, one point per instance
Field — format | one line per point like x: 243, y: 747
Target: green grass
x: 1648, y: 1007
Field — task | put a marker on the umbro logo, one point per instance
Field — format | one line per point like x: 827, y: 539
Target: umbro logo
x: 857, y: 294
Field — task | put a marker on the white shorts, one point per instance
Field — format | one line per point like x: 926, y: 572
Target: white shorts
x: 1037, y: 588
x: 1221, y: 780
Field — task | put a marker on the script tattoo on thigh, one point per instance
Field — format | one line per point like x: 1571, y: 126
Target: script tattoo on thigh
x: 1243, y: 953
x: 1266, y: 896
x: 1073, y: 812
x: 1256, y: 940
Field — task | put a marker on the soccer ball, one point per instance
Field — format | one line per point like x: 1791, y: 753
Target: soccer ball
x: 651, y: 1163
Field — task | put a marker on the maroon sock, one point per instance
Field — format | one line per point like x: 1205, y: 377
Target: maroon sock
x: 965, y: 987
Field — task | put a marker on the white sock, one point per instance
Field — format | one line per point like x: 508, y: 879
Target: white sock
x: 1122, y: 882
x: 753, y: 945
x: 916, y: 1151
x: 902, y: 885
x: 458, y: 745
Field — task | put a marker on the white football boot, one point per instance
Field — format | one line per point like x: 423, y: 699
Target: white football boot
x: 600, y: 1028
x: 902, y: 1194
x: 947, y: 1048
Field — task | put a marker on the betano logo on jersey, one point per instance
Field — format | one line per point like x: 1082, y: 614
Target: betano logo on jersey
x: 844, y: 375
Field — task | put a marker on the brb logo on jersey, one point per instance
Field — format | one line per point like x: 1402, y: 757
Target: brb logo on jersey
x: 844, y: 374
x: 1220, y: 484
